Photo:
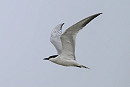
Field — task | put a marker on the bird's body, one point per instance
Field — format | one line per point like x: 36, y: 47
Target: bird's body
x: 64, y: 61
x: 67, y: 55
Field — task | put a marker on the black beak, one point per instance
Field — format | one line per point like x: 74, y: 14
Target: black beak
x: 46, y: 58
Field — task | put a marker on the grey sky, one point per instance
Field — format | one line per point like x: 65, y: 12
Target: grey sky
x: 103, y: 45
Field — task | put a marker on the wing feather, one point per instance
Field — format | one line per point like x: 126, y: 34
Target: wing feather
x: 68, y: 37
x: 55, y: 38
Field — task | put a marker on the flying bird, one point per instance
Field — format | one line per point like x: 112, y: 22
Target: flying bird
x: 66, y: 56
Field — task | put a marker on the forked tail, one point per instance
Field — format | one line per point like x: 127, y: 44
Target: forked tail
x: 82, y: 66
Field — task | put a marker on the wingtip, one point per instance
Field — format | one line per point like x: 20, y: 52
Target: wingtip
x: 63, y: 23
x: 95, y: 15
x: 99, y: 13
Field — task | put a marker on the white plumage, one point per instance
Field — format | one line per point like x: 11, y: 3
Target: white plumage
x: 66, y: 57
x: 55, y: 38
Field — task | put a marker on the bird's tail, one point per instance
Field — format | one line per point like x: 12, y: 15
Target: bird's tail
x: 82, y: 66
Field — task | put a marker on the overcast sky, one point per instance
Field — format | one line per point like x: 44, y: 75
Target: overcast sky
x: 103, y: 45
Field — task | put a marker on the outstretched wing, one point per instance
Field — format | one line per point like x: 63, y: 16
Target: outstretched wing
x: 55, y: 38
x: 68, y: 37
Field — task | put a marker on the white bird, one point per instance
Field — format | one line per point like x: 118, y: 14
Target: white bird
x: 55, y: 38
x: 67, y: 57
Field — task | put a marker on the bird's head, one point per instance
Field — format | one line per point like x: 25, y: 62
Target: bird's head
x: 53, y: 56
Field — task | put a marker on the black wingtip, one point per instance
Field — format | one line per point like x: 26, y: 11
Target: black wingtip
x: 62, y: 24
x: 100, y: 13
x: 95, y: 15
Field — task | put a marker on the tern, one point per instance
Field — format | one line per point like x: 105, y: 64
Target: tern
x: 66, y: 56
